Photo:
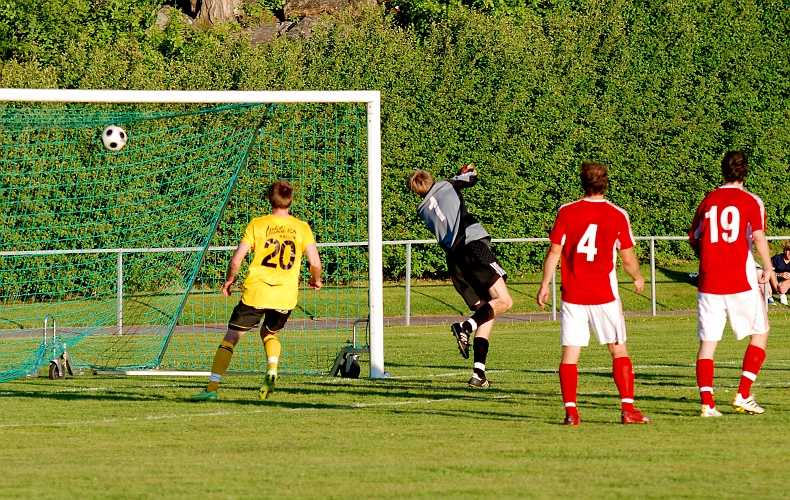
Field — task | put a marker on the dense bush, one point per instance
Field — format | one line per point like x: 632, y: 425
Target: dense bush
x: 658, y: 91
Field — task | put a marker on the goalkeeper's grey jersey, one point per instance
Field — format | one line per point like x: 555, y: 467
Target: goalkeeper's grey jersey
x: 446, y: 215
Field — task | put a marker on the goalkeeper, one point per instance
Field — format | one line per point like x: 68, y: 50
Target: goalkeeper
x: 271, y: 288
x: 473, y: 268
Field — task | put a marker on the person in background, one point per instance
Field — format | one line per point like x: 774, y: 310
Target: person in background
x: 780, y: 280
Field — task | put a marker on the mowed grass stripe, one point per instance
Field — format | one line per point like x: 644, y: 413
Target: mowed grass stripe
x: 420, y: 434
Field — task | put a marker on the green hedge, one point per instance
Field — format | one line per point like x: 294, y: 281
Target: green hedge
x: 658, y: 91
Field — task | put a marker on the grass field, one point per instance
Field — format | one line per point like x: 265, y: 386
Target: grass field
x: 419, y: 434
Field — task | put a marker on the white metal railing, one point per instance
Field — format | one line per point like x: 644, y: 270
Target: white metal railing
x: 651, y: 239
x: 407, y: 243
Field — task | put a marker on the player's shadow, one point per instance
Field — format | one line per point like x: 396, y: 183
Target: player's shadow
x: 385, y: 390
x: 452, y: 307
x: 464, y: 366
x: 13, y: 322
x: 368, y: 399
x: 487, y: 415
x: 672, y: 276
x: 651, y: 380
x: 85, y: 396
x: 516, y: 289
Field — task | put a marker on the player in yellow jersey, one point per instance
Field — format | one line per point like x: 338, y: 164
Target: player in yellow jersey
x: 272, y: 285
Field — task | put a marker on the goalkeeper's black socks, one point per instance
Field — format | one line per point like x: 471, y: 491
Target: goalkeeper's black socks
x: 480, y: 349
x: 483, y: 315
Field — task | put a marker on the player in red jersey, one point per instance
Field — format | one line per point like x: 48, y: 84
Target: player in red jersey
x: 728, y: 221
x: 585, y: 235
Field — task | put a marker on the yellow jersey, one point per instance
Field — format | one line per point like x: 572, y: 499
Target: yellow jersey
x: 278, y: 244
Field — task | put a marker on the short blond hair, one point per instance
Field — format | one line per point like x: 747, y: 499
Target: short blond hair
x: 787, y: 245
x: 420, y: 182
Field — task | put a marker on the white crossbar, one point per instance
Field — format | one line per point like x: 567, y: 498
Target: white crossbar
x: 189, y: 96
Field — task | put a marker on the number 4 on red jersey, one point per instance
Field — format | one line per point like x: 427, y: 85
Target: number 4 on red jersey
x: 590, y: 232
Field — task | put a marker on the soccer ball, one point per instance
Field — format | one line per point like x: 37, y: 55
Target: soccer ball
x: 114, y: 138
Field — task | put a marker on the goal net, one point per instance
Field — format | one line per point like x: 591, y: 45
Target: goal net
x: 117, y: 257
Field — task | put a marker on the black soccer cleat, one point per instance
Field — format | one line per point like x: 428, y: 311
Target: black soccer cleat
x: 479, y: 383
x: 463, y: 339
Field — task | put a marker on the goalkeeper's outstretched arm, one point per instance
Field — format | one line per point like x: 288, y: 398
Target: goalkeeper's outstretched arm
x: 467, y: 177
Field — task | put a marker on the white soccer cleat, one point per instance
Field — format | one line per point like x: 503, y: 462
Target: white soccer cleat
x: 709, y: 412
x: 746, y: 405
x: 783, y: 299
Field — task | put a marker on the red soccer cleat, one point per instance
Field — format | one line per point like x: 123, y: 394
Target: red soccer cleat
x: 571, y: 420
x: 635, y: 417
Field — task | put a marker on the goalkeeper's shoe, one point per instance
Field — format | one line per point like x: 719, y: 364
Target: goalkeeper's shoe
x: 635, y: 417
x: 267, y: 389
x: 709, y: 411
x: 746, y: 405
x: 462, y: 337
x: 479, y: 383
x: 572, y: 420
x: 205, y: 396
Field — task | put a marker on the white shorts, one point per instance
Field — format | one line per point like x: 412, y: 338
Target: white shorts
x: 746, y: 311
x: 606, y: 320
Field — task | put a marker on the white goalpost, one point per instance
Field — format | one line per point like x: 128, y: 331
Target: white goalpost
x: 90, y: 293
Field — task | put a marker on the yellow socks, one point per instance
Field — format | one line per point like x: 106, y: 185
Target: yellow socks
x: 273, y: 349
x: 220, y: 364
x: 224, y: 354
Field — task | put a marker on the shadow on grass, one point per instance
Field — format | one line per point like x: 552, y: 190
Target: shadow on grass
x: 675, y: 277
x: 462, y: 365
x: 516, y: 289
x: 452, y: 307
x: 78, y: 396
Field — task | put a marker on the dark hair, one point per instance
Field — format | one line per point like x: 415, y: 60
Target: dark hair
x: 595, y: 178
x: 281, y: 194
x: 734, y: 166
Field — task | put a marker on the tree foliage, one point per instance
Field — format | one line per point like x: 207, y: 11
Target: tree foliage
x: 658, y: 91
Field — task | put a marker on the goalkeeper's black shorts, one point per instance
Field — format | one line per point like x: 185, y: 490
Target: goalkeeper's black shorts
x: 474, y: 270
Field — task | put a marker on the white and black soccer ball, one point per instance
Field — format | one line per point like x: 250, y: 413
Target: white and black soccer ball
x: 114, y: 138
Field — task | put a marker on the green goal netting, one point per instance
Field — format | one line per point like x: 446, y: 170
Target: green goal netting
x: 118, y: 257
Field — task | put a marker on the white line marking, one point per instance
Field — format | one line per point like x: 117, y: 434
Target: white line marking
x: 453, y: 374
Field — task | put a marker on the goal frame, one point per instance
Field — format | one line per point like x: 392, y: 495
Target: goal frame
x: 372, y: 101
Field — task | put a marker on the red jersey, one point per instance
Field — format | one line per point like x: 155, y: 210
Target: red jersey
x: 590, y: 231
x: 723, y: 226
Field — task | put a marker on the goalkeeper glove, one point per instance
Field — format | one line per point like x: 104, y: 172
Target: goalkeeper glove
x: 469, y: 167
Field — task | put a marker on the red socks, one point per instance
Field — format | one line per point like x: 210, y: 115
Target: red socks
x: 569, y: 382
x: 705, y: 381
x: 623, y: 374
x: 752, y: 362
